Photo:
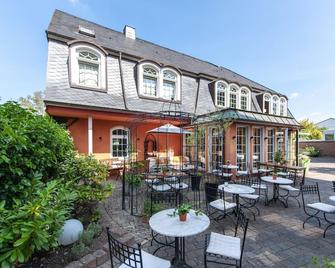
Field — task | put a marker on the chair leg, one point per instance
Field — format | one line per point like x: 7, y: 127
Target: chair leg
x: 330, y: 225
x: 310, y: 217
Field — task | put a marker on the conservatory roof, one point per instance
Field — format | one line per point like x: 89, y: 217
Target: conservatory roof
x: 247, y: 116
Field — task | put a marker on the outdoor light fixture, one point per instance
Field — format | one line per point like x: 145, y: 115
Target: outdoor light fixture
x: 251, y: 137
x: 265, y: 138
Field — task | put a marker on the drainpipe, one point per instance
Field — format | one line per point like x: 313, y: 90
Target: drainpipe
x: 196, y: 98
x: 122, y: 82
x: 297, y: 147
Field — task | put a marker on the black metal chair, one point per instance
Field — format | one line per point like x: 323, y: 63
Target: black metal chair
x: 133, y: 257
x: 333, y: 185
x: 261, y: 186
x: 249, y: 201
x: 224, y: 249
x: 313, y: 210
x: 292, y: 192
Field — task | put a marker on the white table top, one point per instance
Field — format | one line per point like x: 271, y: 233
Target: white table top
x: 180, y: 186
x: 264, y: 170
x: 236, y: 188
x: 171, y: 226
x: 161, y: 187
x: 279, y: 180
x: 229, y: 166
x: 332, y: 198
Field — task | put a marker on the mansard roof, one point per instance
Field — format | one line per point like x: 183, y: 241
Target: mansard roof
x: 66, y: 26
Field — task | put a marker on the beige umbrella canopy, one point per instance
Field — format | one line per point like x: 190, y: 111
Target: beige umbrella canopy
x: 169, y: 129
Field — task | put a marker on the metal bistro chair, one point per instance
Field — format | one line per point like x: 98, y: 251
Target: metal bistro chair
x: 133, y: 257
x: 312, y: 210
x: 215, y: 200
x: 333, y: 185
x: 261, y: 186
x: 224, y: 249
x: 293, y: 191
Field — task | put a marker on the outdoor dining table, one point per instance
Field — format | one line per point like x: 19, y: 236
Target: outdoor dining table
x: 236, y: 190
x: 332, y: 198
x: 229, y: 166
x: 276, y: 182
x: 166, y: 224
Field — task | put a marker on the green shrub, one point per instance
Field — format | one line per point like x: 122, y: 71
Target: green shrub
x: 79, y: 249
x: 311, y: 151
x: 93, y: 230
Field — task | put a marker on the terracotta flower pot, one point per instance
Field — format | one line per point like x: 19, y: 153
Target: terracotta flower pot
x: 274, y: 177
x: 182, y: 217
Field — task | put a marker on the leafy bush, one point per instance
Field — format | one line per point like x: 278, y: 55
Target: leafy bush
x: 322, y: 263
x: 79, y: 249
x: 311, y: 151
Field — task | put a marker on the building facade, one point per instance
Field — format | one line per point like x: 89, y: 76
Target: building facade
x: 328, y: 129
x: 110, y: 87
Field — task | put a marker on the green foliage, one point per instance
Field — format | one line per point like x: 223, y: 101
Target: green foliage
x: 96, y: 215
x: 278, y: 157
x: 150, y: 209
x: 79, y: 249
x: 31, y: 146
x: 311, y: 151
x: 134, y: 179
x: 323, y: 263
x: 34, y: 225
x: 312, y: 130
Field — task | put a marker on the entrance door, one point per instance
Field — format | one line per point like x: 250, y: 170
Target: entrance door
x: 150, y: 146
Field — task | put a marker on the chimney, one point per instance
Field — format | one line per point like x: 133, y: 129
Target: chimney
x: 129, y: 32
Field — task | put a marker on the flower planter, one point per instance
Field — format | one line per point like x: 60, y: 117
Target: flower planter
x: 274, y: 177
x: 182, y: 217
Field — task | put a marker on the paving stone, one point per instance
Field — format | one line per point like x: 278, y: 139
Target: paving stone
x: 89, y: 261
x: 101, y: 256
x: 74, y: 264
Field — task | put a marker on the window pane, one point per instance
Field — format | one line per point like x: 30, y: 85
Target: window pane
x: 88, y: 55
x: 257, y: 147
x: 119, y: 143
x: 241, y: 148
x: 168, y: 91
x: 149, y: 86
x: 221, y: 98
x: 243, y: 102
x: 232, y: 103
x: 271, y: 145
x: 88, y: 74
x: 217, y: 148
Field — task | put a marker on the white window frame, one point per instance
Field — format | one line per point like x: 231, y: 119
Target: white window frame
x: 231, y: 86
x: 140, y: 78
x: 225, y: 93
x: 74, y: 65
x: 111, y: 141
x: 261, y: 145
x: 177, y: 83
x: 270, y: 103
x: 283, y: 103
x: 248, y: 95
x: 247, y: 145
x: 276, y: 112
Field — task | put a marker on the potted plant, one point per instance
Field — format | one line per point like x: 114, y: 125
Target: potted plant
x: 165, y: 170
x: 183, y: 210
x: 195, y: 181
x: 274, y: 175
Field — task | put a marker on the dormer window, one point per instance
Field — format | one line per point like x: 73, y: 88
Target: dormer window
x: 150, y: 78
x: 221, y: 90
x: 267, y: 102
x: 275, y: 105
x: 233, y: 97
x: 244, y: 99
x: 283, y: 107
x: 169, y: 85
x: 88, y: 66
x: 157, y: 82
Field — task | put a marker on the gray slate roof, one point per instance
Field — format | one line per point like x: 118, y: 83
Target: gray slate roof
x: 67, y: 25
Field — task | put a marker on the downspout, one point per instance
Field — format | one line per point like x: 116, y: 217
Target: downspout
x: 197, y: 96
x: 122, y: 82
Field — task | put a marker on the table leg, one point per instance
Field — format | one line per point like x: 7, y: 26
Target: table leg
x: 276, y: 195
x: 179, y: 259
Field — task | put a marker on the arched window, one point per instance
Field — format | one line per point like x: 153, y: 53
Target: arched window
x: 221, y: 90
x: 267, y: 103
x: 275, y: 105
x: 169, y: 87
x: 119, y: 139
x: 244, y: 99
x: 233, y: 96
x: 283, y: 107
x: 88, y: 66
x: 150, y: 79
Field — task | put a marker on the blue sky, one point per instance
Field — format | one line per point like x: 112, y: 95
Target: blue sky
x: 283, y: 44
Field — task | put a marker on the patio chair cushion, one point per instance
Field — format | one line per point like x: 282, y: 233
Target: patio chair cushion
x: 256, y: 186
x: 242, y: 173
x: 283, y: 174
x: 151, y: 181
x: 161, y: 188
x: 250, y: 196
x: 181, y: 185
x: 151, y: 261
x: 224, y: 245
x: 171, y: 179
x: 322, y: 207
x: 221, y: 204
x: 289, y: 188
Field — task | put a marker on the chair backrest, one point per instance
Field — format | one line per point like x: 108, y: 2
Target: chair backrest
x: 165, y: 199
x: 299, y: 177
x: 128, y: 255
x: 334, y: 186
x: 211, y: 191
x: 310, y: 189
x: 242, y: 222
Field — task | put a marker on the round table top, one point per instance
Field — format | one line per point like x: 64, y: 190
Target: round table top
x: 236, y: 188
x: 279, y: 180
x: 167, y: 225
x: 229, y: 166
x: 332, y: 198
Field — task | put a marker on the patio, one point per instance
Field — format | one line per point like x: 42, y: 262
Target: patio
x: 275, y: 239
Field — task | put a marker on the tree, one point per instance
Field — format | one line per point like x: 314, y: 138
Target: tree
x: 312, y: 131
x: 34, y: 102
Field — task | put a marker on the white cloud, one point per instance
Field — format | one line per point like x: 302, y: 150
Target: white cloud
x: 294, y: 95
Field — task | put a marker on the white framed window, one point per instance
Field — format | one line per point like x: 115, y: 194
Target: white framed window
x: 119, y: 142
x: 242, y: 147
x: 170, y: 84
x: 283, y: 107
x: 275, y: 105
x: 157, y: 82
x: 221, y: 94
x: 87, y: 66
x: 267, y: 103
x: 233, y: 97
x: 244, y: 99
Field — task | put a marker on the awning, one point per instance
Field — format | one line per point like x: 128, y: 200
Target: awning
x: 169, y: 129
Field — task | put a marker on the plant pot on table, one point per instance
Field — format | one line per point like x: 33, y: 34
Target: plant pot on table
x: 182, y: 216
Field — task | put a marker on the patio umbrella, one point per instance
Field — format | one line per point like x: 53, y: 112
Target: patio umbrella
x: 169, y: 129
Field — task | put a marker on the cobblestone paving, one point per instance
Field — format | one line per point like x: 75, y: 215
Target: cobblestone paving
x: 275, y: 239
